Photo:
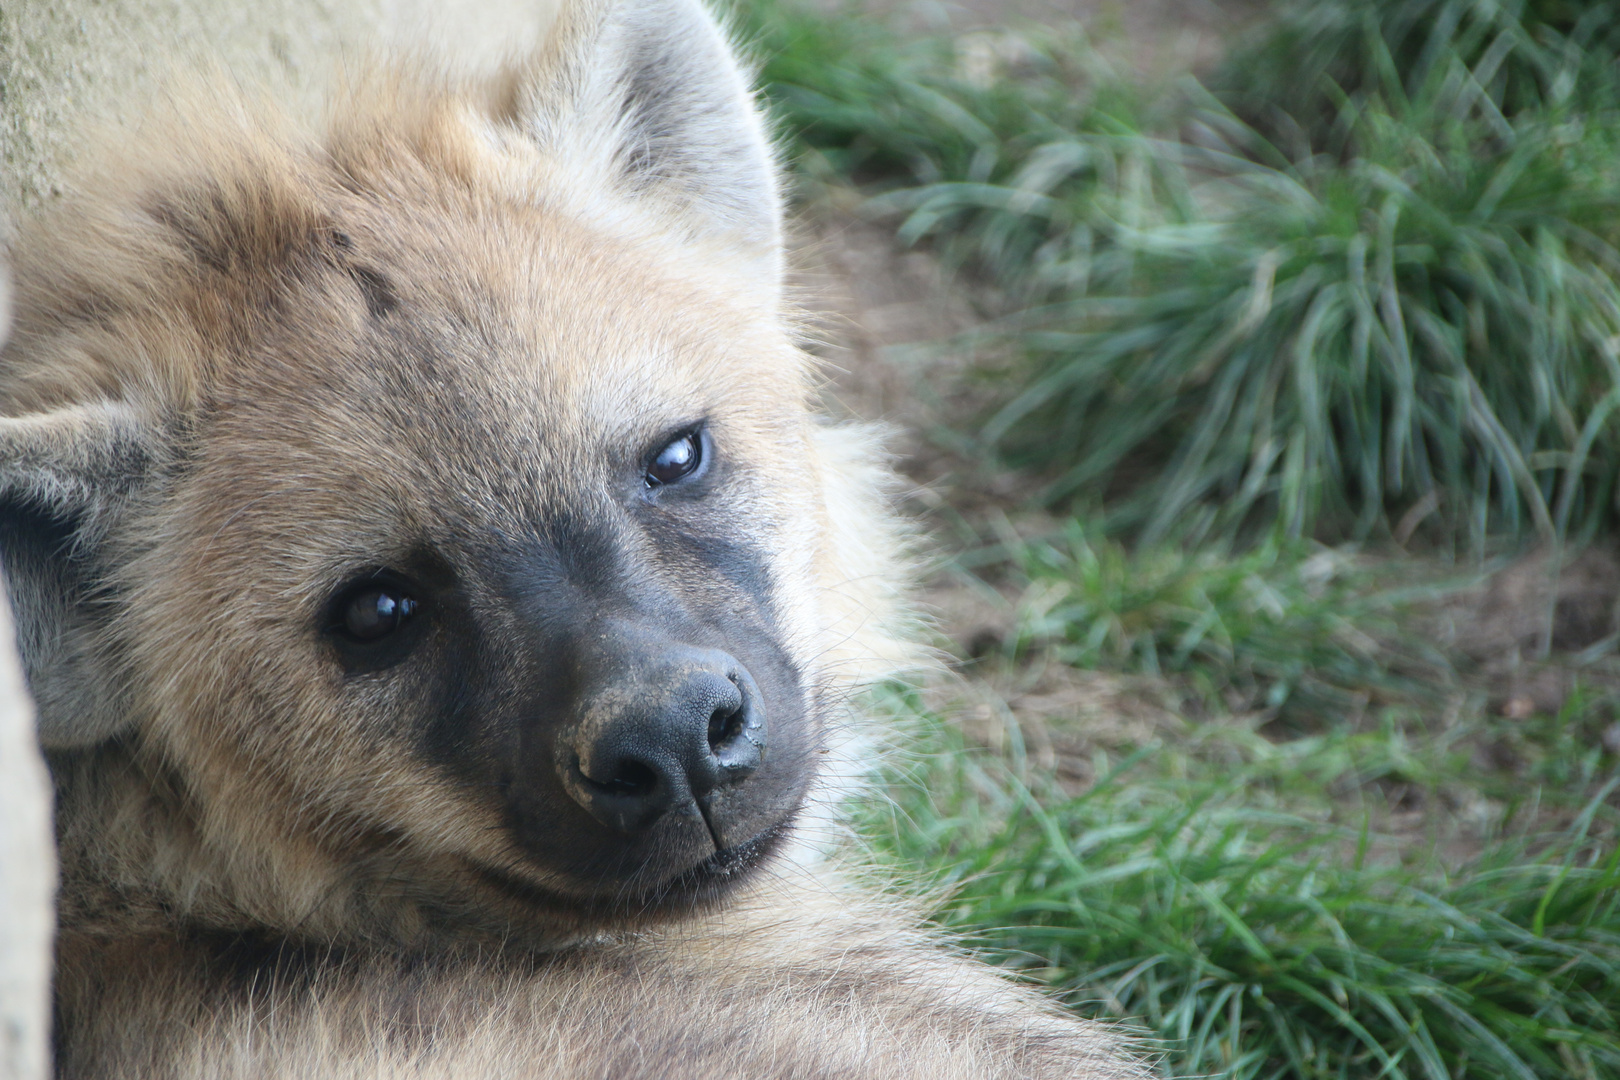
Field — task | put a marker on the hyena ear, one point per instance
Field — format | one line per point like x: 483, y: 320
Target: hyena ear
x: 648, y: 93
x: 65, y: 475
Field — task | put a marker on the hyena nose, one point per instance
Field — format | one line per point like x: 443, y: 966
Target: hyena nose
x: 693, y: 728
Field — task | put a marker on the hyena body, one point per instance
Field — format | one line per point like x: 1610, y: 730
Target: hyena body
x: 443, y: 606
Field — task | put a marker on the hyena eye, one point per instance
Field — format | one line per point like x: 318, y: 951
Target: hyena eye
x: 680, y: 458
x: 371, y: 608
x: 377, y: 612
x: 376, y: 622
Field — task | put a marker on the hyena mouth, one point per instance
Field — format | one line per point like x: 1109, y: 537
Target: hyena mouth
x: 709, y: 882
x: 722, y: 869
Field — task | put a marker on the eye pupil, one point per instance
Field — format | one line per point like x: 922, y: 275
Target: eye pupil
x: 377, y: 612
x: 680, y: 458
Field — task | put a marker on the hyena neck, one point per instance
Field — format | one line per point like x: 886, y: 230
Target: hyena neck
x: 138, y: 863
x: 135, y: 862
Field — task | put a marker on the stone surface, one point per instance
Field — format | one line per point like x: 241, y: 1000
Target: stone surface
x: 69, y: 66
x: 27, y: 876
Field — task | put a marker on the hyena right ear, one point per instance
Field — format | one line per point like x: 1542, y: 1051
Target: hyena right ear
x: 647, y: 95
x: 65, y: 475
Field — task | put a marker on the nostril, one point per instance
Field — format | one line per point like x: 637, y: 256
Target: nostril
x: 626, y: 791
x: 630, y: 778
x: 726, y: 726
x: 736, y: 736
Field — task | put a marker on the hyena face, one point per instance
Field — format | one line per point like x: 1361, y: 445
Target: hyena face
x: 428, y: 513
x: 500, y: 513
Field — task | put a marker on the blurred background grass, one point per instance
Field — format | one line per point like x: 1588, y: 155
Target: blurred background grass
x: 1272, y: 440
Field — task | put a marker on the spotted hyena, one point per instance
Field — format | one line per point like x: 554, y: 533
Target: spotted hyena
x: 444, y: 605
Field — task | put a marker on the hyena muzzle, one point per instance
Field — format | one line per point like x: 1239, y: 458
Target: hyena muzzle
x: 443, y: 605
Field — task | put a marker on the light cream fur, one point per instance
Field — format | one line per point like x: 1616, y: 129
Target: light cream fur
x: 27, y: 877
x: 257, y: 353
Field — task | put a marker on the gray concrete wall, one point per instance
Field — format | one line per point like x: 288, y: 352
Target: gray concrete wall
x: 66, y: 62
x: 66, y: 65
x: 27, y: 876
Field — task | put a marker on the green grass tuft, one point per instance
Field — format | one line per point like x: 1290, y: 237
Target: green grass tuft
x: 1432, y: 324
x: 1291, y: 626
x: 1416, y: 314
x: 1512, y: 56
x: 1255, y: 941
x: 993, y: 149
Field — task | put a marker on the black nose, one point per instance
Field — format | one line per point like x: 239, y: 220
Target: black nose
x: 664, y: 736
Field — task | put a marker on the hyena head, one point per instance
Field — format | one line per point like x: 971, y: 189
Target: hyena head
x: 422, y: 522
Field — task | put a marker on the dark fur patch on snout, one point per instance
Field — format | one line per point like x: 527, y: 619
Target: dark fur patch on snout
x: 527, y: 642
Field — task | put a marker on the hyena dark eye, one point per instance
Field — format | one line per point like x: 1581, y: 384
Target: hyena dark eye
x: 375, y: 622
x: 680, y: 458
x: 375, y: 613
x: 378, y: 620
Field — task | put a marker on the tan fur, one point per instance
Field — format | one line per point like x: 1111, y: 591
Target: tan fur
x: 260, y: 878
